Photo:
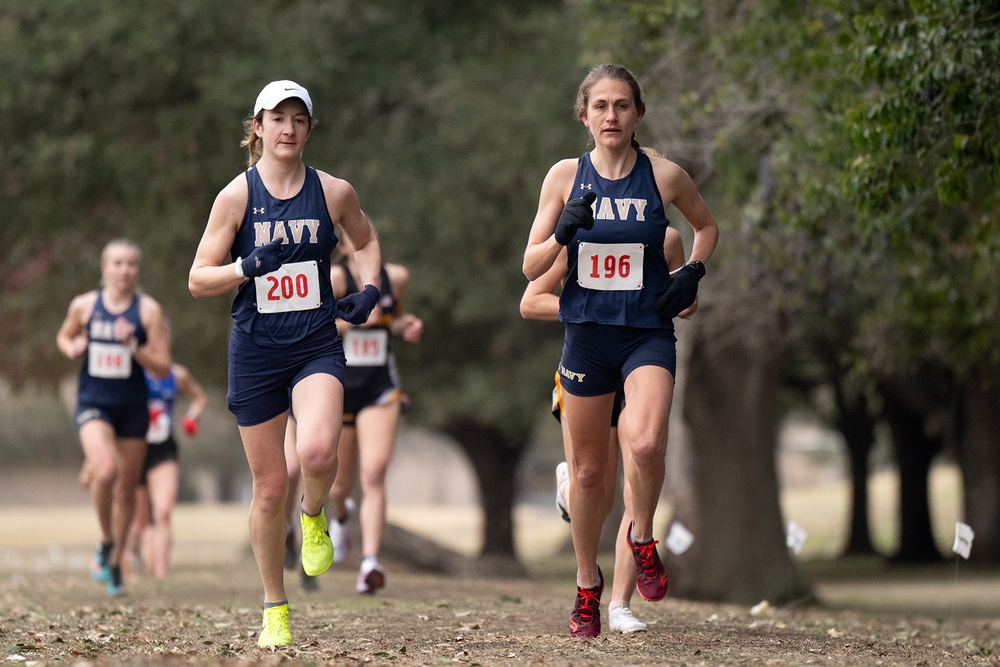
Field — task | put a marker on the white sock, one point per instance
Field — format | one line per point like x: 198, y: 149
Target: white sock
x: 635, y: 541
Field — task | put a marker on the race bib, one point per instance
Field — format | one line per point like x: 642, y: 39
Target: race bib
x: 109, y: 360
x: 610, y: 266
x: 291, y: 287
x: 366, y: 347
x: 159, y: 422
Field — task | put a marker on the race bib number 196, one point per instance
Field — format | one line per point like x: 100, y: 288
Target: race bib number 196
x: 291, y: 287
x: 610, y: 266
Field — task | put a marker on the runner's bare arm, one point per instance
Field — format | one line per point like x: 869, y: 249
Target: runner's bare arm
x: 211, y: 273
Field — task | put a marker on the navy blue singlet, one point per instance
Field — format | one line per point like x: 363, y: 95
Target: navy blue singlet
x: 305, y: 225
x: 105, y: 391
x: 358, y: 377
x: 627, y: 210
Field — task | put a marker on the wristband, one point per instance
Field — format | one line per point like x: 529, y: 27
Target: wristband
x: 238, y: 268
x: 698, y: 267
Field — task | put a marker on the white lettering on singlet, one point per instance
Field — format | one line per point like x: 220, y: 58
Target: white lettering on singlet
x: 288, y: 231
x: 102, y: 330
x: 606, y: 208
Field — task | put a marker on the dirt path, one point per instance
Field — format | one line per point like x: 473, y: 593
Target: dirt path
x: 209, y: 614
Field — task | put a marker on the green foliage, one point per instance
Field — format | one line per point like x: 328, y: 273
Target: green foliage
x: 120, y: 134
x: 477, y: 137
x: 926, y: 175
x: 854, y: 144
x: 126, y: 120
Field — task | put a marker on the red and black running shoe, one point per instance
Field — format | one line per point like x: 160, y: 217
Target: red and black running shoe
x: 585, y: 621
x: 650, y: 576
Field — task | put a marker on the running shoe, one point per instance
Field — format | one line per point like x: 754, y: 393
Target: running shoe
x: 317, y: 549
x: 585, y: 621
x: 274, y: 630
x: 338, y: 534
x: 309, y: 584
x: 562, y: 490
x: 650, y: 577
x: 291, y: 549
x: 100, y: 568
x: 620, y: 619
x: 116, y: 584
x: 371, y: 577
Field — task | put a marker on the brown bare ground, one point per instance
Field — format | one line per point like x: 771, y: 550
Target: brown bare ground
x: 208, y: 611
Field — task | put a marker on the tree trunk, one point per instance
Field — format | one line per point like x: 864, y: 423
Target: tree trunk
x: 979, y: 460
x: 915, y: 449
x: 495, y: 460
x: 420, y: 553
x: 856, y: 424
x: 730, y: 405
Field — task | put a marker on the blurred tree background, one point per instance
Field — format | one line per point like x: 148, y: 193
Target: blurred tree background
x: 849, y: 150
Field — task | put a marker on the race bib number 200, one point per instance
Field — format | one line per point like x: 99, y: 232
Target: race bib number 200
x: 291, y: 287
x: 610, y: 266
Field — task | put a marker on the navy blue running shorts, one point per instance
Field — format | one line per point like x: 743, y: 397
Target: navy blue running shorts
x: 158, y: 453
x: 130, y: 421
x: 260, y: 378
x: 597, y: 357
x: 615, y: 411
x: 357, y: 400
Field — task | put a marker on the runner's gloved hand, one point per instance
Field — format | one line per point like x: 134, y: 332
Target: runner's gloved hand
x: 190, y: 425
x: 355, y: 308
x: 263, y: 259
x: 576, y: 214
x: 680, y: 293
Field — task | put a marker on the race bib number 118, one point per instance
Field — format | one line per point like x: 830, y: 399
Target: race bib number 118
x: 112, y: 361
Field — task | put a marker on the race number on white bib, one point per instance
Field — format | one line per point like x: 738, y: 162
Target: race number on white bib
x: 366, y: 347
x: 159, y: 422
x: 291, y: 287
x: 111, y: 361
x: 610, y: 266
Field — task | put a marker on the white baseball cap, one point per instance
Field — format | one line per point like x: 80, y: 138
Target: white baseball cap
x: 277, y: 92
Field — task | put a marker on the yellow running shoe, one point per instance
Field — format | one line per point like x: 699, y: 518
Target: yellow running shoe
x: 317, y: 548
x: 274, y: 631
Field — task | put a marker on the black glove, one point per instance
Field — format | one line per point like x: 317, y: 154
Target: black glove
x: 576, y: 214
x: 355, y: 308
x: 680, y: 293
x: 263, y: 259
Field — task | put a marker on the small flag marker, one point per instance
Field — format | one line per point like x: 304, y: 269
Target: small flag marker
x: 679, y: 538
x: 963, y: 539
x: 796, y: 537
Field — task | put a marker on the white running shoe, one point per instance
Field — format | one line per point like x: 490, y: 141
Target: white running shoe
x: 562, y: 490
x: 620, y: 619
x: 371, y: 577
x: 338, y: 534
